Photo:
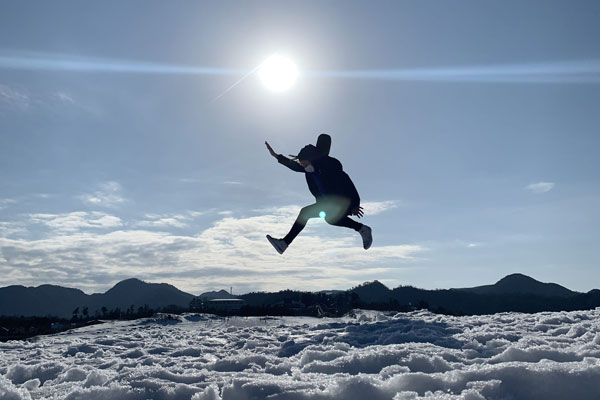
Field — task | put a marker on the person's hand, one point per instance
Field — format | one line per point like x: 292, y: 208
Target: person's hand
x: 271, y: 150
x: 358, y: 211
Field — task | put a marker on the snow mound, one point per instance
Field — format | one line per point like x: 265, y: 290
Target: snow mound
x: 372, y: 355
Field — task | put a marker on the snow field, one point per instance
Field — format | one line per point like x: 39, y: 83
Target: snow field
x: 373, y: 356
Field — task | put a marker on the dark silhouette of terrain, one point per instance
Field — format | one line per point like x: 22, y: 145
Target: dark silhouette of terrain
x: 515, y: 292
x: 44, y: 300
x: 221, y: 294
x: 133, y: 297
x: 519, y: 283
x: 57, y: 301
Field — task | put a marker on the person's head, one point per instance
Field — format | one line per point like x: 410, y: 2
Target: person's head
x: 308, y: 154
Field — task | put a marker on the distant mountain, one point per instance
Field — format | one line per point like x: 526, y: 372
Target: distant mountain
x: 60, y: 301
x: 40, y: 301
x: 515, y: 292
x: 373, y: 292
x: 139, y: 293
x: 221, y: 294
x: 523, y: 284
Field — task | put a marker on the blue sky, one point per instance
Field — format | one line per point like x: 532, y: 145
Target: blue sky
x: 470, y: 129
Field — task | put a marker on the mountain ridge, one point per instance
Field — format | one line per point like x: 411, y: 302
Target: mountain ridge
x: 59, y: 301
x: 520, y: 283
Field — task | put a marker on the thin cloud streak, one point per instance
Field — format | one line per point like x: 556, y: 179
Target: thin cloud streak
x: 377, y: 207
x: 168, y: 220
x: 75, y: 221
x: 107, y: 195
x: 540, y: 187
x: 14, y: 97
x: 5, y: 203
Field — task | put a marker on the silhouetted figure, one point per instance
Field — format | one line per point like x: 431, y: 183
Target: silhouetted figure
x: 335, y: 194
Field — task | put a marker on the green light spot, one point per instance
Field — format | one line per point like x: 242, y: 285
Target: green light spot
x: 322, y: 214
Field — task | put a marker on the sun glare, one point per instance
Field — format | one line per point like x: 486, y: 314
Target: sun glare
x: 278, y: 73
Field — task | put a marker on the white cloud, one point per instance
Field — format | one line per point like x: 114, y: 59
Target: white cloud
x: 13, y: 97
x: 64, y: 97
x: 107, y: 195
x: 75, y: 221
x: 192, y: 180
x: 540, y: 187
x: 21, y: 99
x: 169, y: 220
x: 4, y: 203
x: 377, y: 207
x: 166, y: 220
x: 11, y: 228
x: 231, y: 252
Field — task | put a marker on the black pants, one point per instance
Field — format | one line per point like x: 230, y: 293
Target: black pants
x: 334, y: 211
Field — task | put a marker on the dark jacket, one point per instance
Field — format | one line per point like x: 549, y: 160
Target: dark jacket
x: 329, y: 179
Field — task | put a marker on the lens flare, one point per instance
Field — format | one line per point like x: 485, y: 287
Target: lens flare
x: 322, y: 214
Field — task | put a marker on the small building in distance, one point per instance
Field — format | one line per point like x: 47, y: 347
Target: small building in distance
x: 224, y: 304
x: 218, y: 302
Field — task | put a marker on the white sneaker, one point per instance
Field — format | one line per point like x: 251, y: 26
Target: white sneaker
x: 365, y: 233
x: 279, y: 244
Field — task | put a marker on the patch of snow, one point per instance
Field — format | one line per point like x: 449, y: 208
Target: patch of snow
x: 371, y: 355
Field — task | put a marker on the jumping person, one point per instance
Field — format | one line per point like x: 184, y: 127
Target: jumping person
x: 335, y: 194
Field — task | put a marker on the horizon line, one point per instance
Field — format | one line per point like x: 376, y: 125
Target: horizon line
x: 279, y: 290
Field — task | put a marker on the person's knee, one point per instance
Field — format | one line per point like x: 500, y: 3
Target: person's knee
x: 305, y: 214
x: 332, y: 219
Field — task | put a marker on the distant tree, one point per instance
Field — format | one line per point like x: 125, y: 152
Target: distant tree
x: 75, y: 313
x: 104, y: 311
x: 115, y: 313
x: 422, y: 305
x: 196, y: 304
x: 85, y: 312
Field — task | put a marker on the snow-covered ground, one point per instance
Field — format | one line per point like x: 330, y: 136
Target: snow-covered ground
x: 372, y: 356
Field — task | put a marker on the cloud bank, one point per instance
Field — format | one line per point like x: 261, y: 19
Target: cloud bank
x: 93, y: 250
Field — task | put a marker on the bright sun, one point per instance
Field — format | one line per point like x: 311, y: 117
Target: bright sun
x: 278, y: 73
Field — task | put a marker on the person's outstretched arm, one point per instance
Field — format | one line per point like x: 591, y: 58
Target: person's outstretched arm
x: 294, y: 166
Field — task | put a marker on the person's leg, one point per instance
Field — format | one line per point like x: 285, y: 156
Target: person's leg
x: 346, y: 222
x: 337, y: 214
x: 305, y: 214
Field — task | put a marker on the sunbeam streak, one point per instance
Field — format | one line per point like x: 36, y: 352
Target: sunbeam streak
x: 243, y: 78
x: 554, y: 72
x: 47, y: 62
x: 587, y: 71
